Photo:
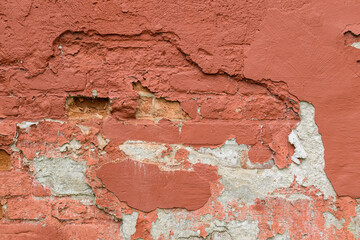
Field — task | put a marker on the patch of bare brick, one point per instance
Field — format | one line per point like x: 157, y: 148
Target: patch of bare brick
x: 5, y: 161
x: 151, y: 107
x: 80, y: 107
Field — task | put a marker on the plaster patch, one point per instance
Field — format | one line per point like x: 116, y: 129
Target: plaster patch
x: 247, y: 185
x: 354, y: 225
x: 299, y: 150
x: 245, y: 230
x: 73, y: 145
x: 356, y: 45
x: 63, y: 176
x: 220, y: 236
x: 84, y: 129
x: 139, y: 150
x: 168, y: 222
x: 26, y: 125
x: 331, y: 220
x: 284, y: 236
x: 102, y: 142
x: 229, y: 154
x: 128, y: 226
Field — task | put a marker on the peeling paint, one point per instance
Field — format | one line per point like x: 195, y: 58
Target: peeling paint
x: 179, y: 121
x: 356, y: 45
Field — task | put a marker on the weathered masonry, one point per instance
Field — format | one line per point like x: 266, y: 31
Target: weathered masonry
x: 158, y: 120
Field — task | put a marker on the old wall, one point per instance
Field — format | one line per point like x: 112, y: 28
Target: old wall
x: 179, y: 120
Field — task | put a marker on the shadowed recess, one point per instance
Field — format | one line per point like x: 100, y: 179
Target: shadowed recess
x: 80, y: 107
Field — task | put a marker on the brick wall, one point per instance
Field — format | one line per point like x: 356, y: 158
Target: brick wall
x: 151, y: 120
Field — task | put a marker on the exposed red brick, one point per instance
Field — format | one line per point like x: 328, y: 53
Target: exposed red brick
x: 7, y: 132
x: 187, y: 74
x: 168, y: 110
x: 14, y: 184
x: 69, y: 209
x: 39, y: 190
x: 99, y: 230
x: 265, y: 108
x: 141, y: 130
x: 197, y: 82
x: 27, y: 208
x: 216, y: 133
x: 9, y: 106
x: 260, y: 153
x: 124, y: 107
x: 181, y: 155
x: 31, y: 231
x: 190, y: 107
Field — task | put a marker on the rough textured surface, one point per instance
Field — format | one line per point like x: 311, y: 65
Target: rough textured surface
x: 5, y: 161
x: 187, y: 120
x: 62, y: 175
x: 84, y: 107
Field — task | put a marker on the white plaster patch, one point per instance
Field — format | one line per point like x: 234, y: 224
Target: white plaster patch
x: 331, y: 220
x: 229, y: 154
x: 311, y: 171
x: 354, y: 225
x: 168, y: 221
x: 284, y: 236
x: 128, y: 226
x: 299, y: 149
x: 220, y: 236
x: 26, y: 125
x: 139, y: 150
x: 63, y: 176
x: 84, y: 129
x: 94, y: 93
x: 102, y: 142
x: 356, y: 45
x: 73, y: 145
x: 245, y: 230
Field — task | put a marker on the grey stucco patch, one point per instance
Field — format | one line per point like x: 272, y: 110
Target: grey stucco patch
x: 63, y: 176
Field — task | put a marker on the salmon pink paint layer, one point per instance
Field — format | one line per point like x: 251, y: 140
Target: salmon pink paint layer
x: 179, y: 120
x: 144, y: 187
